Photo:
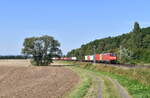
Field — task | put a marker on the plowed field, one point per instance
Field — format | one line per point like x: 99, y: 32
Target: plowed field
x: 18, y: 80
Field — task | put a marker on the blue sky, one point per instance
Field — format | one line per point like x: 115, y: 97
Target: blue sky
x: 72, y: 22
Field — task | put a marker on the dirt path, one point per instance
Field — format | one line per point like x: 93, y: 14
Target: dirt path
x: 102, y: 86
x: 122, y: 91
x: 35, y: 82
x: 96, y: 88
x: 106, y: 87
x: 116, y: 90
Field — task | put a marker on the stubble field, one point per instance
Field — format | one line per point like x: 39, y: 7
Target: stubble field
x: 18, y: 79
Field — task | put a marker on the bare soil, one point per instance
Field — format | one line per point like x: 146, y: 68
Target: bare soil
x: 20, y: 80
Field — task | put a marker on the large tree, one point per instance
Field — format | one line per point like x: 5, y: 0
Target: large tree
x: 42, y: 49
x: 137, y: 36
x: 136, y: 28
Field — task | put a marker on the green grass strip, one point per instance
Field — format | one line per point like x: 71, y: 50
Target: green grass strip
x: 82, y: 88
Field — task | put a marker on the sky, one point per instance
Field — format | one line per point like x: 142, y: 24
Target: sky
x: 71, y: 22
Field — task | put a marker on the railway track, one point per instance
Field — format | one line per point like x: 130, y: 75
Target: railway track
x: 131, y: 65
x: 127, y: 65
x: 120, y: 65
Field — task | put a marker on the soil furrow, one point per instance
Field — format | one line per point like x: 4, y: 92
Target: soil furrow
x: 36, y: 82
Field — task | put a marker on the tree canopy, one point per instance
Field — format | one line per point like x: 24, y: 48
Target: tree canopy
x: 42, y: 49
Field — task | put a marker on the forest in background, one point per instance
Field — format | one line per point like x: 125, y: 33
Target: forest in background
x: 131, y: 48
x: 14, y: 57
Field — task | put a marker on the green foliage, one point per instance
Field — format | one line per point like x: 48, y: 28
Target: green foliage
x: 125, y: 55
x: 137, y: 41
x: 42, y: 49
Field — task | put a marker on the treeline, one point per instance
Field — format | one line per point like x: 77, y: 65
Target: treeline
x: 14, y: 57
x: 133, y: 47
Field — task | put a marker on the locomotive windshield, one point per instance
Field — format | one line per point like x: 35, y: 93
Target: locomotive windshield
x: 112, y: 54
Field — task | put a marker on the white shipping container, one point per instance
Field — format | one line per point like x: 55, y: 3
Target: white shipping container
x: 74, y: 58
x: 91, y: 58
x: 86, y: 58
x: 53, y: 58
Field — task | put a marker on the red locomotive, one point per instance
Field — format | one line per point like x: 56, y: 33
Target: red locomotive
x: 105, y: 57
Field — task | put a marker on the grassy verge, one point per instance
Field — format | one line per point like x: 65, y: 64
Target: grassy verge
x: 136, y: 81
x: 82, y: 88
x: 135, y: 88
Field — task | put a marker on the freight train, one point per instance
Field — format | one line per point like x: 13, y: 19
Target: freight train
x: 100, y: 58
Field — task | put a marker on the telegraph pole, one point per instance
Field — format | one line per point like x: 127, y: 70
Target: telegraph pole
x: 120, y: 52
x: 80, y: 54
x: 94, y: 54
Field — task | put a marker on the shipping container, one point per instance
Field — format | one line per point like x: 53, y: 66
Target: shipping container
x: 73, y: 58
x: 86, y: 58
x: 91, y: 57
